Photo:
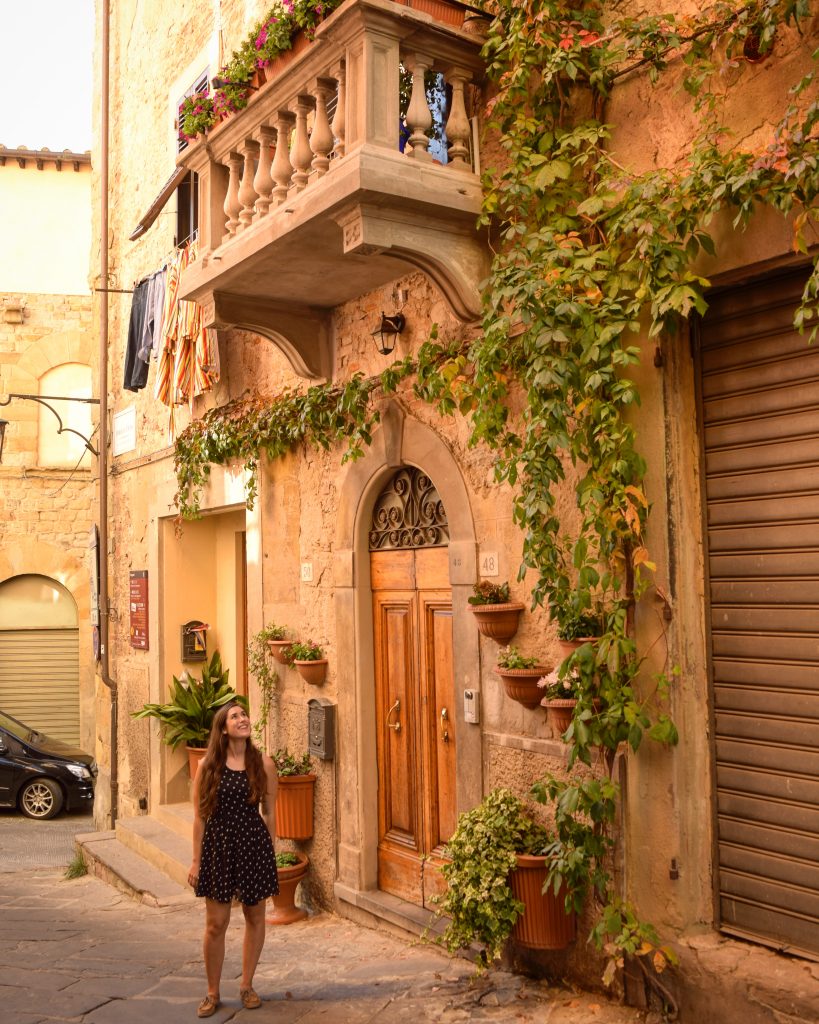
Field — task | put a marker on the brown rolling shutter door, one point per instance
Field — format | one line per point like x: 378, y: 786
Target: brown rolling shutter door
x: 760, y: 412
x: 40, y: 680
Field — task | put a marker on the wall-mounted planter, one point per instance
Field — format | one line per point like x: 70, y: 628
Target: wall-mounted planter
x: 314, y: 672
x: 278, y: 650
x: 521, y: 684
x: 284, y: 909
x: 544, y: 923
x: 568, y: 647
x: 560, y: 710
x: 294, y: 807
x: 498, y: 621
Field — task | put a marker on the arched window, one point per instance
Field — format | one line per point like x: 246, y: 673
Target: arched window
x: 64, y: 451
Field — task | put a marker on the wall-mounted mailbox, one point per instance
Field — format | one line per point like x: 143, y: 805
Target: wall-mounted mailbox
x: 195, y: 641
x: 321, y: 728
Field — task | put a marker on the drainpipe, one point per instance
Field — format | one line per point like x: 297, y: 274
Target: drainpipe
x: 103, y: 670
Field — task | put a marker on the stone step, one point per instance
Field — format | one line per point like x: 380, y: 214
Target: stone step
x: 118, y: 865
x: 159, y: 845
x: 178, y: 818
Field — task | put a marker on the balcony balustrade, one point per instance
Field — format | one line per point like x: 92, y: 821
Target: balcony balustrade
x: 305, y: 197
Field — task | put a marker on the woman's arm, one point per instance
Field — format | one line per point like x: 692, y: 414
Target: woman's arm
x: 269, y: 807
x: 198, y: 831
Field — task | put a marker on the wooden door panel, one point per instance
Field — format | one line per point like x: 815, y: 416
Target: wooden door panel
x: 439, y: 737
x: 392, y: 570
x: 399, y: 811
x: 432, y: 569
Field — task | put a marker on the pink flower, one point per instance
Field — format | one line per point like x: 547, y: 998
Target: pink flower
x: 261, y: 38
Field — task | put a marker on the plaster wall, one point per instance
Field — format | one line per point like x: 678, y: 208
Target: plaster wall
x: 52, y: 210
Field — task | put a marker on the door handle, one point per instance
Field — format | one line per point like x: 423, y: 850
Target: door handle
x: 397, y: 725
x: 444, y: 725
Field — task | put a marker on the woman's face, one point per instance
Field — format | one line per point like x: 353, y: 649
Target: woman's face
x: 237, y: 724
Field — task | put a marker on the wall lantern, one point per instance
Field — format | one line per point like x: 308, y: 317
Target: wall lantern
x: 387, y: 331
x: 41, y: 399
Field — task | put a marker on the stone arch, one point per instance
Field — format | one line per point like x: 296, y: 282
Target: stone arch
x: 401, y: 441
x: 61, y: 347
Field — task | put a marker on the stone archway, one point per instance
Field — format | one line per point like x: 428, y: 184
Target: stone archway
x: 401, y: 441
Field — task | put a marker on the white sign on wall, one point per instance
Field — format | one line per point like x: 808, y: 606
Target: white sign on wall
x: 489, y: 563
x: 124, y: 432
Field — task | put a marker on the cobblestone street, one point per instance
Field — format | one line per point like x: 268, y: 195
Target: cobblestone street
x: 81, y: 950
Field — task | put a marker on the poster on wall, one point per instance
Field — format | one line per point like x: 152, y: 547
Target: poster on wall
x: 94, y: 569
x: 138, y: 602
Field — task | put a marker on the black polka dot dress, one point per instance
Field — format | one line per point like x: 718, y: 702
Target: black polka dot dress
x: 238, y: 860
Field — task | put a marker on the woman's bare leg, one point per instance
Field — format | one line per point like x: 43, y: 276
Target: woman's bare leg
x: 217, y: 918
x: 253, y: 943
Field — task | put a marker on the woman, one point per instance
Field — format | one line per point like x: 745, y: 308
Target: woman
x: 233, y: 856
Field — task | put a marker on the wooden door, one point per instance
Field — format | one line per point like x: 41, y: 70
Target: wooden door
x: 415, y: 718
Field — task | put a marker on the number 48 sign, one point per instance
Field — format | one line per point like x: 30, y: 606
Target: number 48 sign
x: 489, y: 564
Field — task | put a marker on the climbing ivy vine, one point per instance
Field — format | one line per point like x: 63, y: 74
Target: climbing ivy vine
x: 592, y: 255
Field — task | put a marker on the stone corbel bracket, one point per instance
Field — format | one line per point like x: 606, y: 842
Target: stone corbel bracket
x: 455, y: 259
x: 302, y: 333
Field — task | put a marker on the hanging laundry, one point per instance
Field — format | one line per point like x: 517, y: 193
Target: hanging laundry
x: 154, y: 311
x: 135, y: 374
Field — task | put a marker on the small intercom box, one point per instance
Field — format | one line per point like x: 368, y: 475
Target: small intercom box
x: 472, y: 706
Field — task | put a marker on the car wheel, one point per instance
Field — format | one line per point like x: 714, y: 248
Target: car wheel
x: 41, y: 798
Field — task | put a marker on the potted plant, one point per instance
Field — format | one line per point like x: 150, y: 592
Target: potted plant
x: 308, y: 660
x: 188, y: 715
x: 561, y: 696
x: 294, y: 803
x: 196, y: 115
x: 276, y: 639
x: 259, y: 654
x: 520, y: 675
x: 491, y: 844
x: 291, y: 868
x: 495, y: 614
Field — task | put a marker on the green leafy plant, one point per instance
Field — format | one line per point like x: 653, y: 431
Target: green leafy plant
x: 289, y: 764
x: 196, y: 115
x: 510, y: 657
x: 561, y: 684
x: 481, y: 853
x: 76, y: 867
x: 286, y: 859
x: 304, y: 651
x: 188, y: 715
x: 487, y: 592
x: 262, y: 667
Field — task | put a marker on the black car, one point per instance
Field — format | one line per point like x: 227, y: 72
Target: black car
x: 40, y: 775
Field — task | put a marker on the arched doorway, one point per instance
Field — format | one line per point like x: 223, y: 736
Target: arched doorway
x: 39, y: 656
x: 414, y: 684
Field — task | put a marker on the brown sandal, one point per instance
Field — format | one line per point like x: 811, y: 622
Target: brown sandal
x: 208, y: 1006
x: 250, y: 999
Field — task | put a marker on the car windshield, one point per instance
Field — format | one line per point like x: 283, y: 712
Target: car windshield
x: 22, y: 732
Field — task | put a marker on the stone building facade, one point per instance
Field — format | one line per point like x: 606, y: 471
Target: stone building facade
x: 295, y: 299
x: 47, y: 347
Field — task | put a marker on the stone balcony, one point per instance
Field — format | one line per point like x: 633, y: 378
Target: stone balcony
x: 300, y: 211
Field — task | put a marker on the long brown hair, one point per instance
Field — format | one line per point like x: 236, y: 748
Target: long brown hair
x: 213, y: 764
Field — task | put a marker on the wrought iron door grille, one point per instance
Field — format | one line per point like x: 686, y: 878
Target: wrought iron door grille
x: 409, y: 514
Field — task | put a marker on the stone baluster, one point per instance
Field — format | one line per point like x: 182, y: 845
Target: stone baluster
x: 247, y: 193
x: 282, y: 168
x: 263, y: 182
x: 321, y: 139
x: 301, y: 156
x: 419, y: 116
x: 233, y: 205
x: 457, y: 125
x: 338, y: 124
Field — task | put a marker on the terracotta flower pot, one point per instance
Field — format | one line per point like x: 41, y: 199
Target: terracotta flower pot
x: 568, y: 647
x: 278, y: 650
x: 521, y: 684
x: 294, y: 806
x: 560, y: 713
x: 544, y: 924
x: 313, y: 672
x: 284, y: 909
x: 195, y: 755
x: 498, y: 621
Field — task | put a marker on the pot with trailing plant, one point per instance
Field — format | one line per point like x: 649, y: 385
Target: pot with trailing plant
x: 495, y: 874
x: 576, y: 628
x: 520, y: 675
x: 260, y: 664
x: 276, y: 639
x: 560, y: 696
x: 308, y: 660
x: 294, y: 803
x: 496, y: 615
x: 188, y: 715
x: 291, y: 869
